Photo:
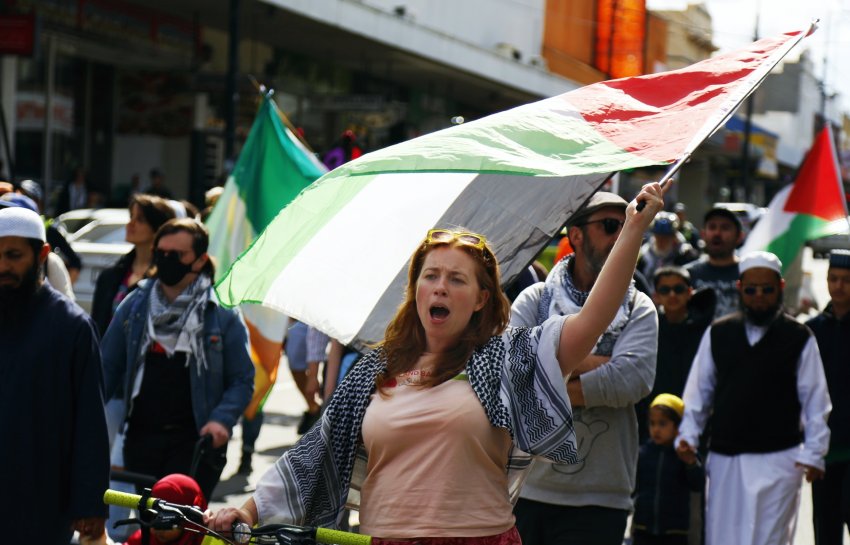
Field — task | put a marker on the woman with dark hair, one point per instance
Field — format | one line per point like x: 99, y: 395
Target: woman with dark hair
x: 180, y: 359
x: 147, y: 214
x: 434, y: 427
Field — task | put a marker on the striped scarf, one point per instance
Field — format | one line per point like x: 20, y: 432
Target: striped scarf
x: 178, y: 325
x: 561, y: 298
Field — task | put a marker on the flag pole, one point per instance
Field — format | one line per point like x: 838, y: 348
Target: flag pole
x: 267, y: 93
x: 674, y: 168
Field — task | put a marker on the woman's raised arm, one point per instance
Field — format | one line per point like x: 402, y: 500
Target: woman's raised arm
x: 581, y: 331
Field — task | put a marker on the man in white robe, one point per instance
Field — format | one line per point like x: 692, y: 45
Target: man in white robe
x: 759, y: 374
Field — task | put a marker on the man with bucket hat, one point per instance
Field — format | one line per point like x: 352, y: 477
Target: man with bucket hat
x: 588, y: 503
x: 758, y: 373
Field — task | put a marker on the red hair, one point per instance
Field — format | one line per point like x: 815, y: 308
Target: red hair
x: 404, y: 340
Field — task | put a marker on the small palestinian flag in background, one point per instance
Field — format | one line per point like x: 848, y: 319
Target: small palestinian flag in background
x: 812, y: 207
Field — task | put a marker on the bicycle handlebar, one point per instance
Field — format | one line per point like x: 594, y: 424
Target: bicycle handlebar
x: 317, y: 535
x: 125, y: 499
x: 321, y: 535
x: 326, y: 535
x: 135, y: 501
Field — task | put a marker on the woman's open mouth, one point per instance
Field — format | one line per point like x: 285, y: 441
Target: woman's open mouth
x: 439, y: 313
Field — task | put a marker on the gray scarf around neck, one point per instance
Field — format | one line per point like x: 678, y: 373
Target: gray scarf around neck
x: 178, y: 325
x: 561, y: 297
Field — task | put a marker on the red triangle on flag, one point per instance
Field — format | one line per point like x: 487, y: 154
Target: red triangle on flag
x: 818, y: 189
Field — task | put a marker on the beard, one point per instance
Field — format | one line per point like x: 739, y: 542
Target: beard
x: 765, y: 316
x: 594, y: 257
x: 14, y: 301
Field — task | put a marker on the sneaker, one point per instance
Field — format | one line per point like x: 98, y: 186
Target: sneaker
x: 307, y: 421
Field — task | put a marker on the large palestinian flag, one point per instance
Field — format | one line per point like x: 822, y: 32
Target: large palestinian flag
x: 812, y: 207
x: 337, y: 256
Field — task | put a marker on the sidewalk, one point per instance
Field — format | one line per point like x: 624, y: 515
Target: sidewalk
x: 283, y: 411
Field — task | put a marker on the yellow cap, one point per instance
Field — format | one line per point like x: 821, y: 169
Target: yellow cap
x: 671, y: 401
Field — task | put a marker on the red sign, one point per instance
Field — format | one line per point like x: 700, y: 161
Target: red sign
x: 17, y: 35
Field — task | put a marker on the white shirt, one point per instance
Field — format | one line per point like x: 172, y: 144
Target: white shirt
x: 811, y: 391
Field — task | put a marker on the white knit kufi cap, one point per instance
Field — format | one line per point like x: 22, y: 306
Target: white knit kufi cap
x: 21, y: 222
x: 760, y: 259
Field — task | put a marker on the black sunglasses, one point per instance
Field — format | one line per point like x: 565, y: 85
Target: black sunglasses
x: 611, y: 225
x: 766, y: 290
x: 678, y: 289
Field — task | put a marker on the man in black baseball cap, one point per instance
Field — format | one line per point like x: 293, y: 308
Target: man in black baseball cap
x: 722, y: 232
x: 719, y: 211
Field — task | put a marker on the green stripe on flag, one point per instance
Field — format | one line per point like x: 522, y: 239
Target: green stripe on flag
x: 272, y: 169
x: 547, y: 138
x: 250, y: 277
x: 802, y: 228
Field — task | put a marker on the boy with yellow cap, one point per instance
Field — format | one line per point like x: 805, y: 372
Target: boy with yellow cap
x: 664, y: 481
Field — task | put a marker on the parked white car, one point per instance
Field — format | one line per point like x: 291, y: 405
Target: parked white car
x: 98, y: 237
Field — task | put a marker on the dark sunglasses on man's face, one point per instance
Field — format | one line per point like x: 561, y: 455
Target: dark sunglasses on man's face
x: 678, y: 289
x: 611, y: 225
x: 765, y: 290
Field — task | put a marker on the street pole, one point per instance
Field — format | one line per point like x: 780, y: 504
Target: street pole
x: 825, y: 72
x: 232, y: 91
x: 748, y: 129
x: 47, y: 144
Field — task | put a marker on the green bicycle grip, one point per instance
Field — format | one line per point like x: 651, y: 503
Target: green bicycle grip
x: 337, y: 537
x: 124, y: 499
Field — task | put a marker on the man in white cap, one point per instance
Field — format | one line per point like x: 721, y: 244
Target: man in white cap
x: 758, y: 373
x: 54, y: 464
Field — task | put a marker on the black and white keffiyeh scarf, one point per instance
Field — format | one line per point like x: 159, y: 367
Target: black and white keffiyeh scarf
x: 178, y: 325
x: 310, y: 483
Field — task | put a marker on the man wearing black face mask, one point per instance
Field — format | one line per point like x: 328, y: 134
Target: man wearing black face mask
x: 759, y: 374
x: 55, y: 451
x: 182, y: 359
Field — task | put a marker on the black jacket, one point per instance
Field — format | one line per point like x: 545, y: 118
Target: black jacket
x: 54, y: 464
x: 677, y: 346
x: 663, y: 490
x: 833, y: 335
x: 108, y: 282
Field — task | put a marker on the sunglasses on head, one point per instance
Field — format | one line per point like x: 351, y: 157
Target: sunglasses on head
x: 438, y: 236
x: 678, y: 289
x: 611, y: 225
x: 765, y: 290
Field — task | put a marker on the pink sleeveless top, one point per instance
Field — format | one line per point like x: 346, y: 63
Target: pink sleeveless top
x: 437, y: 467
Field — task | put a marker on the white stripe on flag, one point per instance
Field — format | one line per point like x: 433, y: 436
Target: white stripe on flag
x: 270, y: 323
x: 771, y: 225
x: 405, y: 204
x: 232, y: 233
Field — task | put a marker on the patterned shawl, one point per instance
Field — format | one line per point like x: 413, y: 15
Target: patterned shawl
x: 515, y: 377
x: 561, y: 298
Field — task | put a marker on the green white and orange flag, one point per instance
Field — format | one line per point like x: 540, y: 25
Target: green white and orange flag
x: 337, y: 256
x: 272, y: 169
x: 812, y: 207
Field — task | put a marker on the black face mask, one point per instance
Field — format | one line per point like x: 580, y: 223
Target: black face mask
x: 169, y: 269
